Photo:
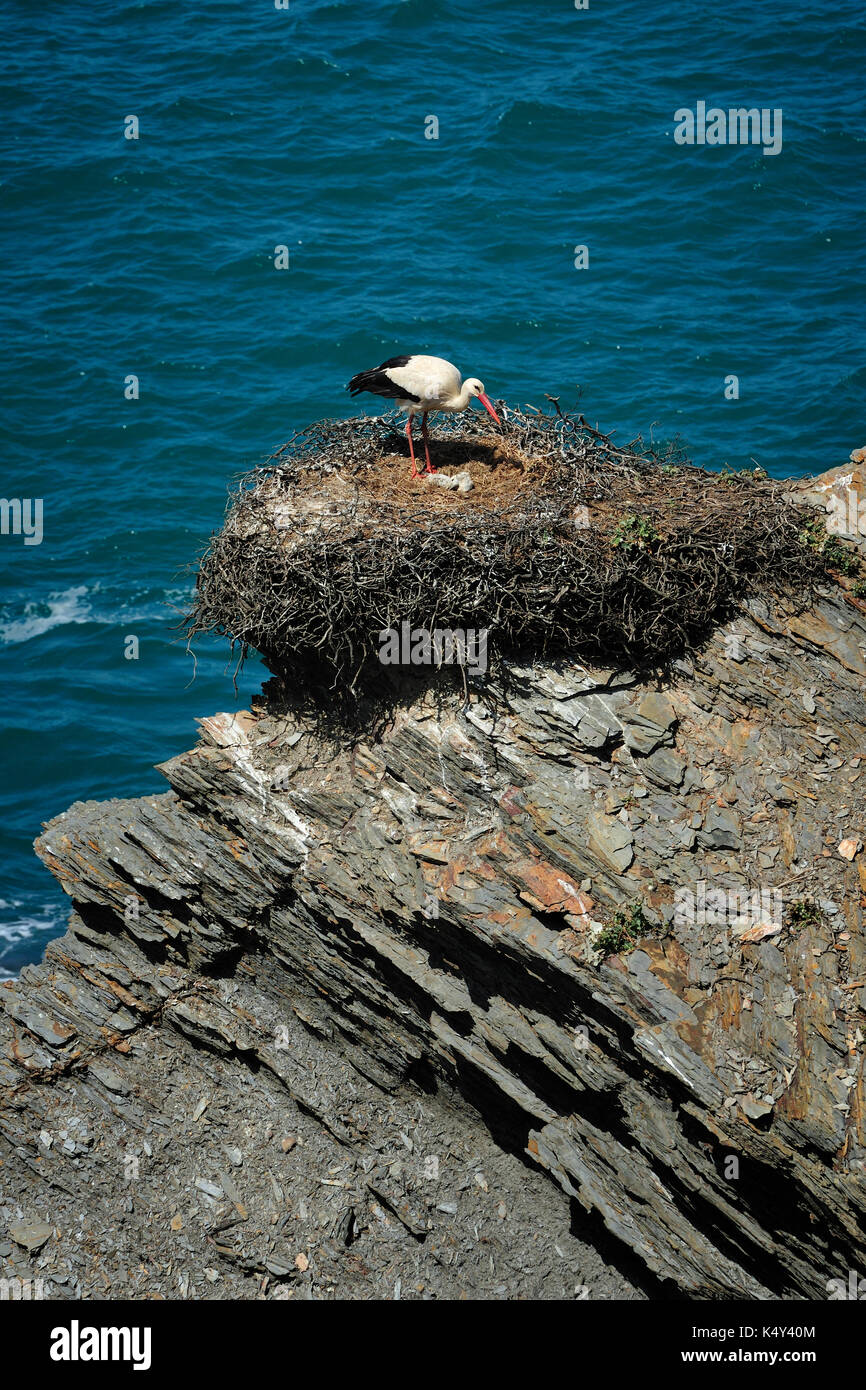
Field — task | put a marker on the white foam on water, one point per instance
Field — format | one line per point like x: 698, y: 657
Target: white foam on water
x: 21, y: 925
x: 71, y: 606
x: 68, y: 606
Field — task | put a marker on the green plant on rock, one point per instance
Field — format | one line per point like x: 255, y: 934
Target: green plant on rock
x: 858, y: 589
x: 805, y: 912
x: 635, y: 533
x: 731, y: 475
x: 836, y: 555
x: 814, y: 533
x: 627, y: 927
x: 839, y: 557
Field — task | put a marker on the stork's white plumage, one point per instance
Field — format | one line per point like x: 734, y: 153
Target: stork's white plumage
x: 421, y: 385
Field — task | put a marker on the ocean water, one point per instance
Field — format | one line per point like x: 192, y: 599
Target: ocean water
x: 307, y: 128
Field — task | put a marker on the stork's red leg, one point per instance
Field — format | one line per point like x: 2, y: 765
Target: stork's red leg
x: 430, y: 468
x: 414, y: 473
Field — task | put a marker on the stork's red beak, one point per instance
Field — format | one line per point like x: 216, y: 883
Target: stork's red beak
x: 485, y: 401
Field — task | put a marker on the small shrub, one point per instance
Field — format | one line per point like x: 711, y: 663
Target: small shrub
x: 839, y: 557
x: 731, y: 475
x: 635, y: 533
x: 628, y: 925
x: 832, y: 551
x: 814, y: 534
x: 805, y: 912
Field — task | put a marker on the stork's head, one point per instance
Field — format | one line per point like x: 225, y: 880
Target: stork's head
x: 476, y: 388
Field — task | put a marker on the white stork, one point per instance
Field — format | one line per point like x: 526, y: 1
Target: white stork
x: 421, y: 385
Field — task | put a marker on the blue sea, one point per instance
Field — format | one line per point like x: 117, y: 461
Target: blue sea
x: 312, y: 128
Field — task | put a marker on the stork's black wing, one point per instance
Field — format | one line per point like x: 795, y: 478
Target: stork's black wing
x: 379, y: 383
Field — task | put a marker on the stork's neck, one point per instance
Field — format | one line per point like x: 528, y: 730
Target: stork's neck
x: 460, y: 400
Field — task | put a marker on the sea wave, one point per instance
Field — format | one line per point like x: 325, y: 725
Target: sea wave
x: 20, y: 922
x: 75, y: 605
x: 59, y: 609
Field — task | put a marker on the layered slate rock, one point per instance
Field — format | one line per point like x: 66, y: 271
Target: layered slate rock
x: 395, y: 953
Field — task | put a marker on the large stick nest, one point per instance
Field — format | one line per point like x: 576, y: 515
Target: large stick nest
x: 566, y: 544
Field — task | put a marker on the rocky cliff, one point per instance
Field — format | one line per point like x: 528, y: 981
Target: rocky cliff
x: 557, y: 993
